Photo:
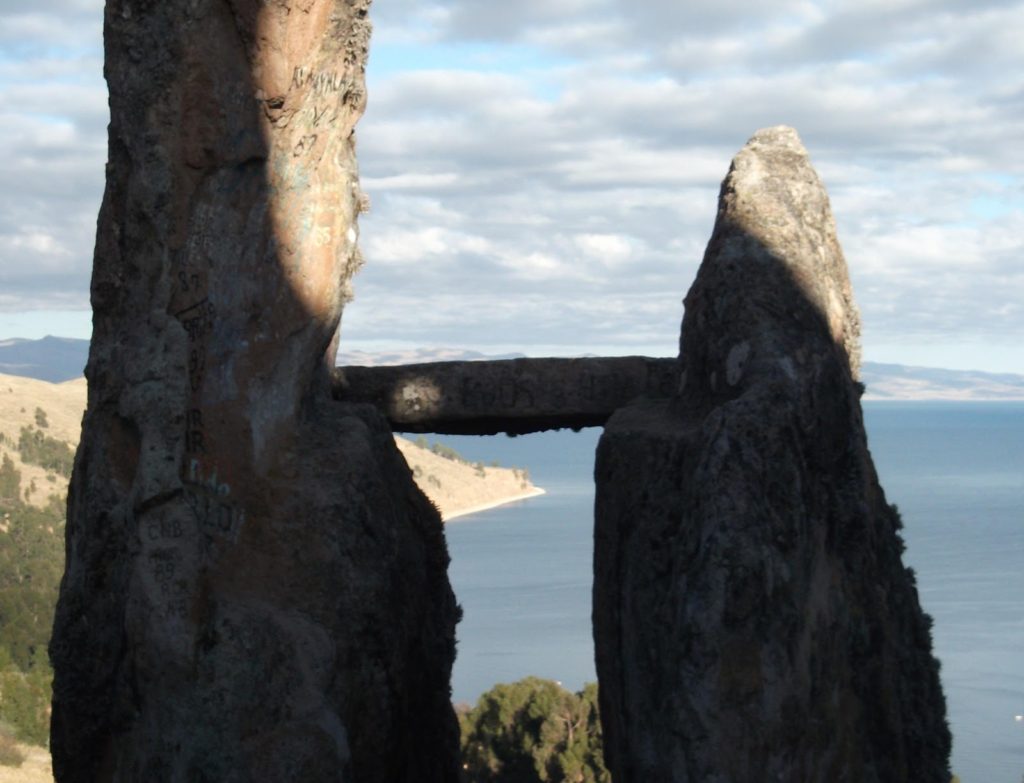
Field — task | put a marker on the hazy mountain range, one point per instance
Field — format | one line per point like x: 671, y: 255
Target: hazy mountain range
x: 57, y: 359
x: 53, y: 359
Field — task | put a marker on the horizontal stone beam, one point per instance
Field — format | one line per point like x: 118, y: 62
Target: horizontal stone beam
x: 514, y: 396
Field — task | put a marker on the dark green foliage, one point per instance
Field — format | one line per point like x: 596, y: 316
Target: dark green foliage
x: 31, y: 564
x: 10, y: 484
x: 25, y: 698
x: 533, y: 730
x: 37, y: 448
x: 41, y: 421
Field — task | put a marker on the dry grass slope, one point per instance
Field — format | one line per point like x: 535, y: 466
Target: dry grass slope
x: 63, y: 404
x: 460, y: 488
x: 35, y: 769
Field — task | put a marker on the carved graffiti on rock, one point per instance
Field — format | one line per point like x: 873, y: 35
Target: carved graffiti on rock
x: 211, y: 505
x: 321, y: 82
x: 194, y: 437
x: 166, y: 573
x: 198, y: 318
x: 214, y: 514
x: 163, y: 528
x: 305, y: 144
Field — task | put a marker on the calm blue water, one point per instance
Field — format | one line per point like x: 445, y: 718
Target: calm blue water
x: 956, y: 470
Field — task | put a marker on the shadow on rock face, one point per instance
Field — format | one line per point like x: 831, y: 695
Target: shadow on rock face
x: 255, y: 589
x: 752, y: 617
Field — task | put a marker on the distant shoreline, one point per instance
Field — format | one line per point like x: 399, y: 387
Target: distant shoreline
x: 534, y: 492
x: 939, y: 398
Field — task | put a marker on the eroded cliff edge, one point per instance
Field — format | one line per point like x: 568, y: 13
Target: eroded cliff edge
x: 255, y: 589
x: 752, y: 617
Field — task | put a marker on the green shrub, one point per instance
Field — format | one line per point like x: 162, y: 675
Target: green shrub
x: 10, y: 483
x: 533, y: 731
x: 37, y: 448
x: 447, y: 452
x: 31, y: 564
x: 25, y: 702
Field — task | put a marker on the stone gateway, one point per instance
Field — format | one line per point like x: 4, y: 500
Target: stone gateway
x: 255, y: 589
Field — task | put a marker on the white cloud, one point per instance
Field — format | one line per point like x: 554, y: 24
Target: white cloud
x: 52, y: 131
x: 425, y: 245
x: 546, y: 172
x: 610, y: 250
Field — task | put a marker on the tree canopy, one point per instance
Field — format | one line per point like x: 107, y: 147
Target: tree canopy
x: 533, y: 730
x: 31, y: 564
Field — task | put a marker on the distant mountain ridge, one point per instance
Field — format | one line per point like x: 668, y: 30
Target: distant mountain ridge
x: 417, y: 356
x: 58, y: 359
x: 53, y: 359
x: 904, y: 382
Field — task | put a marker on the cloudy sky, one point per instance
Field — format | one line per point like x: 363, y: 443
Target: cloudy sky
x: 544, y: 173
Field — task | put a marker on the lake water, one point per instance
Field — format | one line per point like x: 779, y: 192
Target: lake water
x: 956, y: 470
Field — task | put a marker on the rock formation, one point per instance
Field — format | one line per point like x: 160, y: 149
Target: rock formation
x: 255, y: 590
x: 752, y: 617
x: 514, y: 396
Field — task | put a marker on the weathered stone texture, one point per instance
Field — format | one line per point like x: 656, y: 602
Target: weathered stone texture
x: 513, y: 396
x: 255, y: 589
x: 752, y: 617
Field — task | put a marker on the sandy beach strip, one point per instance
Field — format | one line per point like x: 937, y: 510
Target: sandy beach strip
x: 532, y: 493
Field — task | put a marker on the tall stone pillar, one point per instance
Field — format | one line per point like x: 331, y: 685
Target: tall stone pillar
x: 752, y: 618
x: 255, y: 589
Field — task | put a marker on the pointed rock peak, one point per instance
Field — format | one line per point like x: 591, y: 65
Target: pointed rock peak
x: 773, y: 291
x: 753, y: 619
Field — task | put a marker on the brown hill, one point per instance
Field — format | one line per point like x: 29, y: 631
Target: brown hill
x: 458, y: 487
x: 49, y: 410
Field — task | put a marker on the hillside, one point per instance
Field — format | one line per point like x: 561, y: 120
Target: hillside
x: 458, y: 487
x: 51, y: 415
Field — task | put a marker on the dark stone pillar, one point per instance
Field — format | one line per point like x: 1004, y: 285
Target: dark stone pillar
x: 752, y: 618
x: 255, y: 589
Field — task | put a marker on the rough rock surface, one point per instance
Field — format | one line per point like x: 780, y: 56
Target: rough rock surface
x: 255, y: 589
x: 507, y: 395
x: 752, y: 617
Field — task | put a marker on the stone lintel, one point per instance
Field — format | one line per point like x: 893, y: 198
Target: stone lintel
x: 514, y: 396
